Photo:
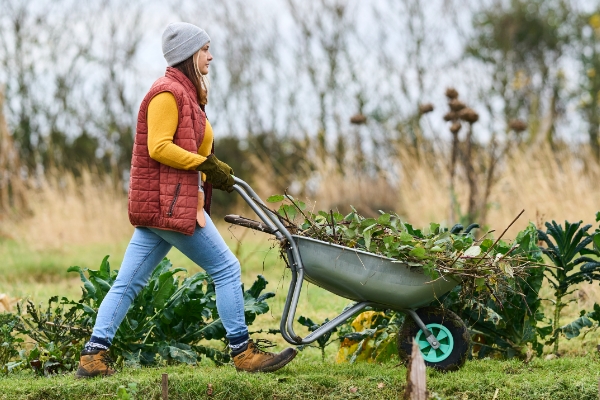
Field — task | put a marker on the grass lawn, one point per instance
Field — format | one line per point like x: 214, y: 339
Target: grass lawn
x: 41, y: 274
x: 566, y: 378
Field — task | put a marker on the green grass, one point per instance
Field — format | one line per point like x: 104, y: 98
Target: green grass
x: 568, y: 378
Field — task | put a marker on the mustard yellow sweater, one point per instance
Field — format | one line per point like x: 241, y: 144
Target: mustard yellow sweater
x: 162, y: 125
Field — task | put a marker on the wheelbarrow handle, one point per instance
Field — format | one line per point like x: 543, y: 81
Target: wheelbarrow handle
x: 249, y: 223
x: 293, y: 255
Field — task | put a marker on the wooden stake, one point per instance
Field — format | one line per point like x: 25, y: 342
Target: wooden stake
x: 165, y: 386
x: 416, y: 385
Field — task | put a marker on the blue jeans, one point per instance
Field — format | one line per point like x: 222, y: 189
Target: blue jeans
x: 147, y: 248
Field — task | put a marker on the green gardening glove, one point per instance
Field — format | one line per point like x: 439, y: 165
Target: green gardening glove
x: 224, y: 166
x: 217, y: 173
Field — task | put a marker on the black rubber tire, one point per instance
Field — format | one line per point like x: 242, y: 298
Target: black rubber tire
x: 452, y: 322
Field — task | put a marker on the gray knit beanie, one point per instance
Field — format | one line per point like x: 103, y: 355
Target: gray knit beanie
x: 181, y: 40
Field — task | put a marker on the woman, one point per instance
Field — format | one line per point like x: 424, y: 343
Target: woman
x: 171, y: 157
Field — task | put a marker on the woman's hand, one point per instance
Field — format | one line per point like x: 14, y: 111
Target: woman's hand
x: 218, y: 173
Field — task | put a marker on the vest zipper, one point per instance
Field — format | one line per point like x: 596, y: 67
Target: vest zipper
x: 170, y: 213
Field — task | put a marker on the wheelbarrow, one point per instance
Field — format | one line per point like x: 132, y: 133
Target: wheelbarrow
x: 370, y: 281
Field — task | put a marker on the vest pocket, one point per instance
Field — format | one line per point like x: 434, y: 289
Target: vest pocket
x: 172, y: 206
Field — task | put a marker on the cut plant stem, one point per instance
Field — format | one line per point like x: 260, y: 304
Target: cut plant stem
x: 332, y: 223
x: 500, y: 237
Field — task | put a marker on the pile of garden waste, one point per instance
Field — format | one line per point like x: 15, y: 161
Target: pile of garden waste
x: 485, y: 266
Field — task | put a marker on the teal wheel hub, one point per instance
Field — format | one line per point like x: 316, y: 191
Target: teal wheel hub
x: 444, y: 338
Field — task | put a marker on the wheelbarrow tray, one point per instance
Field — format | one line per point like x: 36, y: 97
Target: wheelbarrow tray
x: 361, y: 276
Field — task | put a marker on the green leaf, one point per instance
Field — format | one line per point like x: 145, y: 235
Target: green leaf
x: 502, y: 247
x: 102, y: 284
x: 276, y: 198
x: 178, y: 351
x: 105, y: 268
x: 444, y: 237
x: 388, y: 240
x: 406, y: 237
x: 417, y: 252
x: 122, y: 393
x: 480, y: 282
x: 367, y: 236
x: 430, y: 271
x: 574, y: 328
x: 324, y: 215
x: 367, y: 223
x: 384, y: 219
x: 319, y: 219
x: 258, y: 286
x: 292, y: 212
x: 597, y: 240
x: 412, y: 231
x: 486, y: 244
x: 434, y: 228
x: 288, y: 211
x: 349, y: 233
x: 74, y: 268
x: 472, y: 251
x: 165, y: 288
x: 338, y: 217
x: 89, y: 286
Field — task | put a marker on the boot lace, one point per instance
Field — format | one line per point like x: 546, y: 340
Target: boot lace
x: 107, y: 360
x: 260, y: 345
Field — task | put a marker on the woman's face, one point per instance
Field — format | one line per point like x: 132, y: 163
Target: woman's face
x: 203, y: 58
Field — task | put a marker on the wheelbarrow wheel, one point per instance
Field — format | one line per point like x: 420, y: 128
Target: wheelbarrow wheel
x: 449, y: 330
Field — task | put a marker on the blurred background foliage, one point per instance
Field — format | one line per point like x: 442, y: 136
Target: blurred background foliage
x: 343, y: 102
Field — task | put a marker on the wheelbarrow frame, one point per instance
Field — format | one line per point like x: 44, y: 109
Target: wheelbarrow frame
x: 275, y: 227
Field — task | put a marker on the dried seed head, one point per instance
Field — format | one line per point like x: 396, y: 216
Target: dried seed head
x: 517, y: 125
x: 450, y: 116
x: 358, y: 119
x: 451, y: 93
x: 425, y: 108
x: 456, y: 105
x: 469, y: 115
x: 455, y: 127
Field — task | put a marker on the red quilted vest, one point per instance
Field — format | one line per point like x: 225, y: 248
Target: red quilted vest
x: 161, y: 196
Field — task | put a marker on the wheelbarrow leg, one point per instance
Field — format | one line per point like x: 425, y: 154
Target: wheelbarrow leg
x: 428, y: 335
x: 289, y: 311
x: 291, y: 303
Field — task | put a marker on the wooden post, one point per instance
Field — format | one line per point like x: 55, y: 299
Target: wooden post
x: 416, y: 385
x: 165, y: 387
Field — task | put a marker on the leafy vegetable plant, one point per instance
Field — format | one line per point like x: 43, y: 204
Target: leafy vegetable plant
x: 10, y: 345
x: 323, y: 341
x: 169, y: 317
x: 55, y: 332
x: 563, y: 245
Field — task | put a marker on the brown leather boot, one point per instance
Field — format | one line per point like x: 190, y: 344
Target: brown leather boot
x: 94, y: 363
x: 254, y: 359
